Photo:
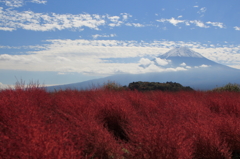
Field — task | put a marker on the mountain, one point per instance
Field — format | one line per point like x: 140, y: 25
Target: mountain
x: 181, y: 52
x: 183, y: 56
x: 197, y: 72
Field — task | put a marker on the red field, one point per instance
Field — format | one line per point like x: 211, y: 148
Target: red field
x: 118, y: 124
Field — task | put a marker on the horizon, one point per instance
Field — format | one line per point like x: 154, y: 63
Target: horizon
x: 59, y: 42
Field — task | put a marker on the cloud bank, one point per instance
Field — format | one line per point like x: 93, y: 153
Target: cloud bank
x: 197, y: 23
x: 87, y: 56
x: 29, y: 20
x: 20, y: 3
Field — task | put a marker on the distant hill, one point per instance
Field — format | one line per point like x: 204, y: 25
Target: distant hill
x: 201, y: 73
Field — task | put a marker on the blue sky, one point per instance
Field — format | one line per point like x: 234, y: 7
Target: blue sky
x: 59, y: 42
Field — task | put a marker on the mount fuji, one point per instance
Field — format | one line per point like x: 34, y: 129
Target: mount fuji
x: 197, y: 72
x: 183, y: 56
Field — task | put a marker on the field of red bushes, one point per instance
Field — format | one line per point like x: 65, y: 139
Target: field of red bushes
x: 123, y: 124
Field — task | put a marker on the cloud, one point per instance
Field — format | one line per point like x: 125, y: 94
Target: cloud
x: 146, y: 66
x: 126, y: 16
x: 202, y: 11
x: 87, y: 56
x: 145, y: 62
x: 197, y: 23
x: 20, y: 3
x: 29, y: 20
x: 173, y: 21
x: 39, y: 1
x: 183, y: 64
x: 104, y: 36
x: 236, y: 28
x: 6, y: 29
x: 116, y: 21
x: 203, y: 65
x: 195, y: 6
x: 218, y: 24
x: 135, y: 24
x: 180, y: 16
x: 162, y: 62
x: 19, y: 58
x: 13, y: 3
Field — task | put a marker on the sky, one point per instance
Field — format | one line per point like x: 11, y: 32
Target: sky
x: 59, y: 41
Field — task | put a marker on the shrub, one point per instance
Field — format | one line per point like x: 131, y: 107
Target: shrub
x: 99, y: 123
x: 113, y: 86
x: 229, y: 87
x: 148, y: 86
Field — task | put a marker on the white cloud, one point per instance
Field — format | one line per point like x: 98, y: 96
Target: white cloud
x: 203, y: 65
x: 162, y: 62
x: 134, y: 24
x: 125, y: 16
x: 236, y: 28
x: 180, y: 69
x: 218, y: 24
x: 187, y: 23
x: 195, y: 6
x: 29, y: 20
x: 180, y: 16
x: 6, y: 29
x: 87, y: 56
x: 114, y: 19
x: 39, y: 1
x: 103, y: 35
x: 13, y: 3
x: 20, y: 3
x: 144, y: 62
x: 202, y: 11
x: 173, y: 21
x: 19, y: 58
x: 115, y: 24
x: 199, y: 23
x: 235, y: 66
x: 183, y: 64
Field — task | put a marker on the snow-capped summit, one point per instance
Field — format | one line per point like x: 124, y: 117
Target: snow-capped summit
x: 181, y: 52
x: 180, y: 56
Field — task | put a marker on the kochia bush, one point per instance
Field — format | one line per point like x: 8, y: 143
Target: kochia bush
x: 119, y: 124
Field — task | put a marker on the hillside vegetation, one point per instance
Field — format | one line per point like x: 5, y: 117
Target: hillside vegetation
x: 229, y: 87
x: 147, y: 86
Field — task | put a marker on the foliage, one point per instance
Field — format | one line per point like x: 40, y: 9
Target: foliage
x: 110, y: 85
x: 147, y: 86
x: 119, y: 124
x: 229, y: 87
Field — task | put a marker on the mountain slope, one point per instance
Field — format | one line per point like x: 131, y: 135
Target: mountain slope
x: 181, y: 52
x: 200, y: 73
